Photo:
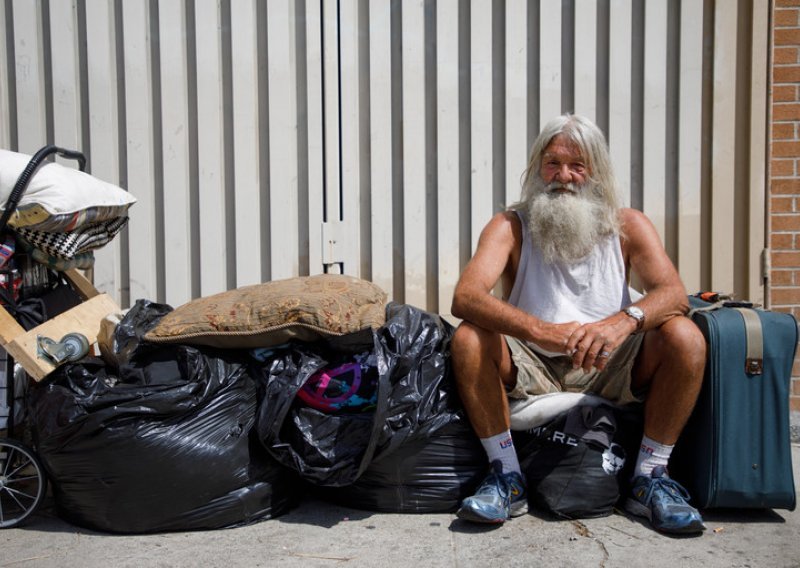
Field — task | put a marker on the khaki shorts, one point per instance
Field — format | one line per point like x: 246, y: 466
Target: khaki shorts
x: 538, y: 374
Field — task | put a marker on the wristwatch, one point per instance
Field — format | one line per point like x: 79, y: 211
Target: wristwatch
x: 637, y: 314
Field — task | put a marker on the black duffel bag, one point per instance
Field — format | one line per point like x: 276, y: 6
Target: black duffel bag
x: 574, y: 465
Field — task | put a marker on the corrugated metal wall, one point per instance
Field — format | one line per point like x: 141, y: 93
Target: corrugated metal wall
x: 271, y: 139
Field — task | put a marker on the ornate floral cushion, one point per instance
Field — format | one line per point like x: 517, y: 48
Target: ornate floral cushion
x: 264, y: 315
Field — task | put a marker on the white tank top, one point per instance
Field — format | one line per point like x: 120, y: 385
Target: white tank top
x: 588, y: 290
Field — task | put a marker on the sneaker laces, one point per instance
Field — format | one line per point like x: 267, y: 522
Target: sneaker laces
x: 673, y: 490
x: 495, y: 480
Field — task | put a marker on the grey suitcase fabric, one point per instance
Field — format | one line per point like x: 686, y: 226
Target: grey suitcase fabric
x: 736, y: 449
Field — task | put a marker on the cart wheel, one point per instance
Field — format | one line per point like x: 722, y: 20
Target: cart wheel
x: 22, y: 483
x: 77, y: 346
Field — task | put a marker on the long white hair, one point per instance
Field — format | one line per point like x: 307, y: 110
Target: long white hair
x: 588, y: 137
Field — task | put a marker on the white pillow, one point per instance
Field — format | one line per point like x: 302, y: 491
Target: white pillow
x: 59, y: 198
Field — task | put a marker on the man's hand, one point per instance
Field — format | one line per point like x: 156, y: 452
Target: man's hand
x: 555, y: 337
x: 592, y: 344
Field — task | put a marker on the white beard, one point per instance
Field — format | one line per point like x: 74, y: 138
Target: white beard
x: 566, y: 226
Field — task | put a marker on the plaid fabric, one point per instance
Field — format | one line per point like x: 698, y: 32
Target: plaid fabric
x: 68, y: 244
x: 82, y: 261
x: 36, y: 217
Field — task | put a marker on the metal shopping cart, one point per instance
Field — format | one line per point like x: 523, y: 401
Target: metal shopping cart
x: 30, y: 355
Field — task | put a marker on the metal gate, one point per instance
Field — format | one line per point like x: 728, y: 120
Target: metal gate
x: 265, y: 140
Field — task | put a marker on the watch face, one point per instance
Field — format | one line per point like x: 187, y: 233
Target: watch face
x: 635, y: 312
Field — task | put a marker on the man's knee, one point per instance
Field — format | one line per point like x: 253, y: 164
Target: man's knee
x: 679, y: 338
x: 478, y: 345
x: 464, y: 337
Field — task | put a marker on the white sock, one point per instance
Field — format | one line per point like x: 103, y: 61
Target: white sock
x: 651, y: 455
x: 501, y: 447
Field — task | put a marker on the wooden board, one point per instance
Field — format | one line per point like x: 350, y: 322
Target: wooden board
x: 21, y: 345
x: 81, y: 284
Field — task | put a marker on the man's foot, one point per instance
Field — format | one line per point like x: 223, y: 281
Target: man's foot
x: 500, y: 496
x: 664, y: 502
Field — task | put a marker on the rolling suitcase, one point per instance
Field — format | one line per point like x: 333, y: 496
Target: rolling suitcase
x: 735, y: 451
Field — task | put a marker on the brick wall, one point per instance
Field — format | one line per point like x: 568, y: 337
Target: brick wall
x: 784, y: 172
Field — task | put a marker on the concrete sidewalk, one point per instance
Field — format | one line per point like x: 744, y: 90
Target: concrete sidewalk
x: 321, y: 534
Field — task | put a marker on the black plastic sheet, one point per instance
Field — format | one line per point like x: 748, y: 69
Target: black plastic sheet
x: 161, y: 442
x: 416, y: 398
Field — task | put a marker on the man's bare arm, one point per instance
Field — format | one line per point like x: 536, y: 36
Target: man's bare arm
x: 665, y: 293
x: 473, y: 300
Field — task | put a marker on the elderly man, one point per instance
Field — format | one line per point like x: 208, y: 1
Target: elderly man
x: 564, y: 255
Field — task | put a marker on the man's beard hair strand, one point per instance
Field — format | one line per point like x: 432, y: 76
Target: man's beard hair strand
x: 566, y: 226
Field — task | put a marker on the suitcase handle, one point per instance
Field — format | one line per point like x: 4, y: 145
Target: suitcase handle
x: 754, y: 336
x: 754, y: 360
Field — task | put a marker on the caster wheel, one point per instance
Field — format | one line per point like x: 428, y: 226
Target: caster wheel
x: 22, y: 483
x: 76, y: 345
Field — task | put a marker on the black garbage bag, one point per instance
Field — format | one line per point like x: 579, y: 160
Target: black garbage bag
x: 574, y: 464
x: 415, y: 398
x: 422, y: 475
x: 163, y: 444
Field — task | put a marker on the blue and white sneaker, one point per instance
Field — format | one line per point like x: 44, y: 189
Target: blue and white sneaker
x: 499, y: 497
x: 664, y: 502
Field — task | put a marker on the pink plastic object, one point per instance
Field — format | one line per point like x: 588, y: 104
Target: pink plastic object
x: 314, y: 391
